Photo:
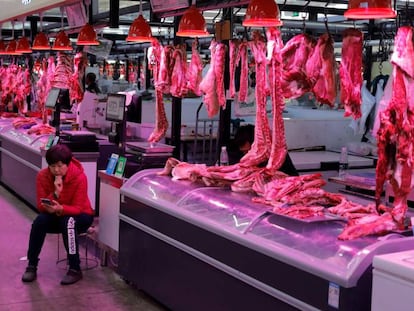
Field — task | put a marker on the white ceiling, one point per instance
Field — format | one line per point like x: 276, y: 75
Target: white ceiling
x: 17, y: 8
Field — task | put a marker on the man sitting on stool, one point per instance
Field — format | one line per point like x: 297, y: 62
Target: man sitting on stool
x: 68, y: 211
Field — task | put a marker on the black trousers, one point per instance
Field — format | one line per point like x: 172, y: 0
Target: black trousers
x: 68, y: 226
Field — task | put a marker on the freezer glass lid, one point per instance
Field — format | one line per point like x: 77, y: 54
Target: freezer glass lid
x: 19, y: 135
x: 315, y: 247
x: 149, y: 185
x: 224, y: 207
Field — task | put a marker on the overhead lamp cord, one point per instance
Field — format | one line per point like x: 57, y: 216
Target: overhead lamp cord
x: 87, y: 4
x: 41, y: 21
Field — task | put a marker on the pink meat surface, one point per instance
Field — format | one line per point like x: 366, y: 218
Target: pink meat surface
x: 295, y: 57
x: 208, y: 85
x: 194, y: 72
x: 350, y: 72
x: 244, y: 75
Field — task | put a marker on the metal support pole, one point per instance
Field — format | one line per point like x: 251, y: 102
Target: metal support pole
x: 225, y: 114
x: 368, y: 56
x: 176, y: 107
x: 113, y: 13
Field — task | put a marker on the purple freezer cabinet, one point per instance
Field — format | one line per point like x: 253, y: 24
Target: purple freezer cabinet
x: 198, y: 248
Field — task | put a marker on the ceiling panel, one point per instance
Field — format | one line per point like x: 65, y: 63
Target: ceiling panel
x: 18, y: 8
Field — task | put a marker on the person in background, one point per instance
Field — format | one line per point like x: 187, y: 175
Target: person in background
x: 68, y: 211
x: 91, y: 85
x: 86, y: 109
x: 243, y: 140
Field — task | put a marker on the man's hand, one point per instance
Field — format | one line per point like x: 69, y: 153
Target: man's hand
x: 54, y: 208
x: 49, y: 208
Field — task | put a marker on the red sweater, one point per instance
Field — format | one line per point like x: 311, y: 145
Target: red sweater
x: 74, y: 196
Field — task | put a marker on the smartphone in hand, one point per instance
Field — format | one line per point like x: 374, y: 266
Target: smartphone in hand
x: 46, y: 201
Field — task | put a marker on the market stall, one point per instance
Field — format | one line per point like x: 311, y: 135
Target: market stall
x: 193, y: 247
x: 22, y: 155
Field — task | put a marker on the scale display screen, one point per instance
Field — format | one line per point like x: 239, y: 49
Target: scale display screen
x: 52, y: 97
x: 115, y: 107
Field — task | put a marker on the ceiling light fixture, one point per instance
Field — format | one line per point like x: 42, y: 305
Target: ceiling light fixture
x: 41, y: 41
x: 62, y: 42
x: 192, y: 23
x: 370, y: 9
x: 23, y: 44
x: 140, y: 30
x: 87, y: 35
x: 11, y: 46
x: 2, y: 47
x: 262, y: 13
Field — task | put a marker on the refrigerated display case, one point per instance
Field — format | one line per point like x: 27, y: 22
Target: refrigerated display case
x: 393, y: 281
x: 198, y: 248
x: 22, y: 157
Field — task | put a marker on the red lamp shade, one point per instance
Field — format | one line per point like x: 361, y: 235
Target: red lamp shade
x: 192, y: 24
x: 62, y: 42
x: 262, y: 13
x: 23, y: 46
x: 139, y: 31
x: 41, y: 42
x: 370, y: 9
x: 87, y: 36
x: 2, y: 48
x: 11, y: 48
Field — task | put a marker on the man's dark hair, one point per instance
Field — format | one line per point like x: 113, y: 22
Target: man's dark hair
x: 58, y: 153
x: 244, y: 134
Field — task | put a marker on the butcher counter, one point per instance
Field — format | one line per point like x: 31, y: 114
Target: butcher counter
x: 327, y: 160
x: 22, y: 157
x: 205, y: 248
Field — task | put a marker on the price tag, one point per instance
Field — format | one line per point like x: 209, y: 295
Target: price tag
x: 333, y: 295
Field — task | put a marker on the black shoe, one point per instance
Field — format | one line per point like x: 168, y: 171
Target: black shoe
x: 30, y: 274
x: 72, y: 276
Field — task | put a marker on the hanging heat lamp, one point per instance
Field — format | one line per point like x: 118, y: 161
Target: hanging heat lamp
x: 41, y: 41
x: 2, y: 47
x: 192, y: 23
x: 140, y: 30
x: 62, y: 42
x: 23, y: 44
x: 87, y: 35
x: 11, y: 48
x: 262, y: 13
x: 370, y: 9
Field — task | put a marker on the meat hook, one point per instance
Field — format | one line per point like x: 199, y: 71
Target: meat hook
x: 326, y: 17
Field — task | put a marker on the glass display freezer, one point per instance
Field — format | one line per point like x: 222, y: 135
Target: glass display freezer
x: 22, y: 154
x: 208, y: 236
